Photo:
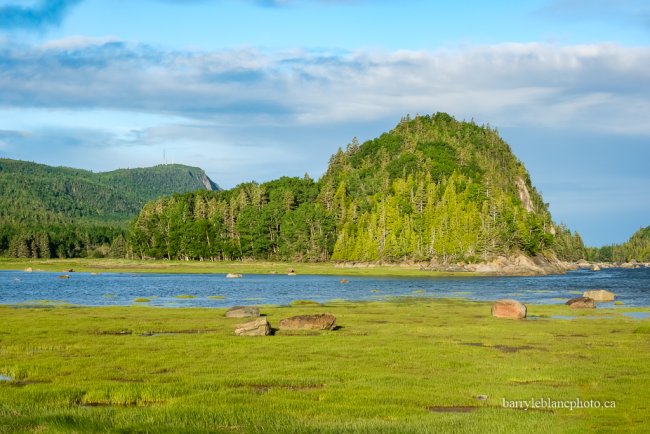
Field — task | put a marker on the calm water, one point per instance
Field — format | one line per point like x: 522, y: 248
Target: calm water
x: 16, y: 287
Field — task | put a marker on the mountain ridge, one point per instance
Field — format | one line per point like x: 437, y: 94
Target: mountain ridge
x: 43, y: 207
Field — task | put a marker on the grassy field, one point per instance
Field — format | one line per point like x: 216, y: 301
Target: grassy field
x: 251, y: 267
x: 406, y: 366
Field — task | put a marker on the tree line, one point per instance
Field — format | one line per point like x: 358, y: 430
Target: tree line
x: 637, y: 248
x: 432, y: 188
x: 57, y: 212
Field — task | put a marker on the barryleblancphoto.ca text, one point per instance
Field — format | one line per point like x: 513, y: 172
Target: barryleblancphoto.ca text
x: 552, y: 404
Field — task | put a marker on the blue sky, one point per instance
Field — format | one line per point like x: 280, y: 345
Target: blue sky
x: 257, y: 89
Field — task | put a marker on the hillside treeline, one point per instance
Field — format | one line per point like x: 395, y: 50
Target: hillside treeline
x: 637, y: 248
x: 48, y: 212
x: 433, y: 188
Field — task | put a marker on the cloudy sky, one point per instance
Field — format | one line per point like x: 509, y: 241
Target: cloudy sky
x: 257, y: 89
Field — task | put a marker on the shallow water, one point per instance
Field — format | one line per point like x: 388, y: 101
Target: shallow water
x: 637, y: 315
x: 631, y: 286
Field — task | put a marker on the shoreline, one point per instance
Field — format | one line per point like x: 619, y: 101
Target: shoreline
x: 500, y: 266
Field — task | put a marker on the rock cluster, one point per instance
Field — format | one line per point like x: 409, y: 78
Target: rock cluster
x: 261, y: 326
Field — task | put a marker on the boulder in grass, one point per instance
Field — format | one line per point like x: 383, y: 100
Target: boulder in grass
x: 322, y: 321
x: 511, y: 309
x: 581, y: 303
x: 243, y: 312
x: 29, y: 270
x: 599, y: 295
x: 258, y: 327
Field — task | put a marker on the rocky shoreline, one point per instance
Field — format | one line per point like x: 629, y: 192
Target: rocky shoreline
x: 516, y: 265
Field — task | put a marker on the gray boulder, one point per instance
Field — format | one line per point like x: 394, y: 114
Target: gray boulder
x: 243, y: 312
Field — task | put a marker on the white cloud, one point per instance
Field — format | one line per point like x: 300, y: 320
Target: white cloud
x: 77, y: 42
x: 247, y: 114
x: 588, y: 86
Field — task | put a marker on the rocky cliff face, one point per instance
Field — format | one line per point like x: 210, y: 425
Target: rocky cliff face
x: 524, y: 195
x: 208, y: 183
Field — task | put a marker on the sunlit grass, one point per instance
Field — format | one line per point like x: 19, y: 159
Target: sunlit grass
x: 390, y: 368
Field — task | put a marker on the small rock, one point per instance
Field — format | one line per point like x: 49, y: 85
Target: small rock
x: 64, y: 276
x: 243, y: 312
x: 29, y: 270
x: 258, y: 327
x: 323, y: 321
x: 233, y: 276
x: 596, y: 267
x: 511, y: 309
x: 482, y: 397
x: 581, y: 303
x: 345, y: 281
x: 599, y: 295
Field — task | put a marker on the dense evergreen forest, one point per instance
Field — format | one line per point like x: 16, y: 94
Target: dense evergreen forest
x: 637, y: 248
x: 432, y: 189
x: 61, y: 212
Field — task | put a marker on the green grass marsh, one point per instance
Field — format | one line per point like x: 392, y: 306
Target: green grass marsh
x: 405, y: 366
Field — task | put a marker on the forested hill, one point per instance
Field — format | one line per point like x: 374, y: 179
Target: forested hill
x: 432, y: 189
x: 637, y: 248
x: 43, y: 206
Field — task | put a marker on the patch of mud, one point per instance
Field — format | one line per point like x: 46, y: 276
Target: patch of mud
x: 452, y: 409
x: 510, y: 349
